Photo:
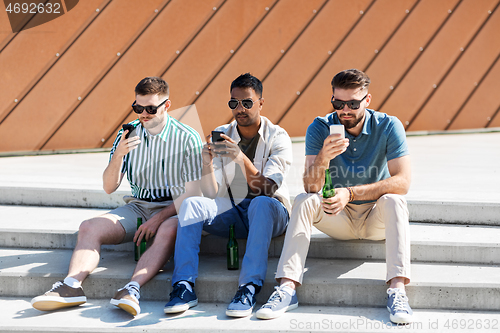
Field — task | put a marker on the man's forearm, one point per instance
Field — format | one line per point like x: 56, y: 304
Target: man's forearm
x: 209, y: 185
x: 394, y: 185
x: 314, y: 175
x: 112, y: 175
x: 256, y: 181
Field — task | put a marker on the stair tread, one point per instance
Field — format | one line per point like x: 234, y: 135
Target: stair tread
x: 99, y: 316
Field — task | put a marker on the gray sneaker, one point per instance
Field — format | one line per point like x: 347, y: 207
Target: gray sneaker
x: 279, y: 303
x: 60, y: 296
x: 397, y: 304
x: 126, y: 300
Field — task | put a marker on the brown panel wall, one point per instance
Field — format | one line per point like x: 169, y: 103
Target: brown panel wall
x: 74, y: 73
x: 304, y: 59
x: 155, y: 49
x: 258, y: 55
x: 436, y: 60
x: 30, y: 53
x: 463, y: 78
x: 80, y: 99
x: 385, y: 15
x: 480, y: 108
x: 403, y: 49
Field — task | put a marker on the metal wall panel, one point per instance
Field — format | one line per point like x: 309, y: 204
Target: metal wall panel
x: 418, y: 85
x: 211, y: 49
x: 411, y: 49
x: 481, y: 107
x: 29, y: 55
x: 155, y: 49
x: 403, y: 49
x: 58, y: 91
x: 463, y: 78
x: 257, y: 55
x: 305, y: 58
x: 371, y: 33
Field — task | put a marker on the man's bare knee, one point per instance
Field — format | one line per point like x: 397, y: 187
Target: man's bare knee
x: 102, y: 230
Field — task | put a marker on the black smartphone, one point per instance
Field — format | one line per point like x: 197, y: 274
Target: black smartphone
x: 128, y: 127
x: 216, y: 136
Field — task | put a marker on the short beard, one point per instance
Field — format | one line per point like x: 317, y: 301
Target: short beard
x: 348, y: 124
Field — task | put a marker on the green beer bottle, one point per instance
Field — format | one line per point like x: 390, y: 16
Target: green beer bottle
x: 233, y: 260
x: 139, y: 250
x: 328, y: 189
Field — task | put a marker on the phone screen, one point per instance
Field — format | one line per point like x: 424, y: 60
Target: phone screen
x: 337, y: 129
x: 128, y: 127
x: 216, y: 136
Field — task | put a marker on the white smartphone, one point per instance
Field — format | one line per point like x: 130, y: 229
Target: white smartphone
x: 337, y: 129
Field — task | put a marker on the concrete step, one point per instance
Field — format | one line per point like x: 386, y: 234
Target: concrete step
x: 28, y: 272
x: 437, y: 211
x: 97, y: 315
x: 56, y: 228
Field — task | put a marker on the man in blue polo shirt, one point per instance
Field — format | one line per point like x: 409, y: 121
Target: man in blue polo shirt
x: 370, y: 169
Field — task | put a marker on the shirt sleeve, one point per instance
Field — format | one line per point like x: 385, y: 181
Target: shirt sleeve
x: 396, y: 140
x: 280, y: 159
x: 193, y: 161
x: 315, y: 136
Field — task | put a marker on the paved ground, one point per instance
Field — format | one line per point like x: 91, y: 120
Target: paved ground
x: 452, y: 167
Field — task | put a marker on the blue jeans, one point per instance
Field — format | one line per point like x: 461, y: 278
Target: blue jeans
x: 258, y: 219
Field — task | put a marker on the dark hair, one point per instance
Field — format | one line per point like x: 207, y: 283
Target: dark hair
x: 152, y: 85
x: 350, y: 79
x: 247, y: 80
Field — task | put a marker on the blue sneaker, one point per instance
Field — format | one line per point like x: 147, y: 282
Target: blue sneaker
x: 243, y: 302
x: 181, y: 299
x: 279, y: 302
x: 397, y: 304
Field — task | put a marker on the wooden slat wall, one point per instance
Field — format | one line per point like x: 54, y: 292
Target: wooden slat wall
x: 433, y: 64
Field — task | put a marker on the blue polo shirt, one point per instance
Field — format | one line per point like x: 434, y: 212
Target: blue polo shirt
x: 382, y: 139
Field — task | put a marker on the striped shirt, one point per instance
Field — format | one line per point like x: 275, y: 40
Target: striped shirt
x: 162, y: 164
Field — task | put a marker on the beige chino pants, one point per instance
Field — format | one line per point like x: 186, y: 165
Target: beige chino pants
x: 387, y: 218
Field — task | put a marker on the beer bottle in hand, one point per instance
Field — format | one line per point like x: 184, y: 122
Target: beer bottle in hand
x: 328, y: 189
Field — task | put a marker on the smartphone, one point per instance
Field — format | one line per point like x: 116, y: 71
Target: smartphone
x: 128, y: 127
x: 337, y: 129
x: 216, y: 136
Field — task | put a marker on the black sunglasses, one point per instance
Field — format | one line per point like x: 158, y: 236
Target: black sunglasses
x: 352, y: 104
x: 246, y: 103
x: 149, y: 109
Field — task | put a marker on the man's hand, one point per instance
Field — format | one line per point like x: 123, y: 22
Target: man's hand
x: 337, y: 203
x: 227, y: 148
x: 126, y: 145
x: 148, y: 229
x: 333, y: 146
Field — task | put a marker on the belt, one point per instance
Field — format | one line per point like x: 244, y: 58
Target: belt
x: 169, y: 198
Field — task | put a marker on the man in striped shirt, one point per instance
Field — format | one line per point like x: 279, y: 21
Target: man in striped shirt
x: 162, y: 160
x: 244, y: 185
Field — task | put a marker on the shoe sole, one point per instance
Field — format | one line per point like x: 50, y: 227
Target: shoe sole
x: 181, y: 308
x: 47, y: 303
x: 401, y: 318
x: 275, y: 314
x: 239, y: 313
x: 127, y: 306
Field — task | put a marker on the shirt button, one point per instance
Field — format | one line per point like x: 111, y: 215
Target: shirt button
x: 354, y: 149
x: 353, y: 140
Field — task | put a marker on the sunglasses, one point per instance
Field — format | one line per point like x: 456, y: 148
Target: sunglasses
x: 352, y: 104
x: 246, y: 103
x: 149, y: 109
